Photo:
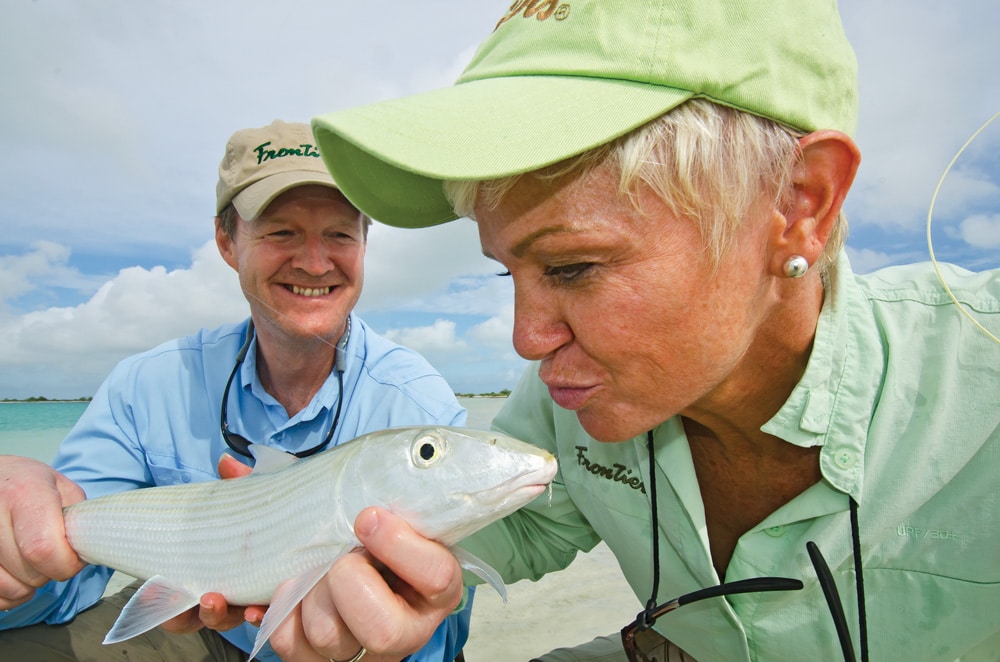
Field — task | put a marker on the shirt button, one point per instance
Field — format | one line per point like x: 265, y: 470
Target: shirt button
x: 844, y: 458
x: 775, y: 531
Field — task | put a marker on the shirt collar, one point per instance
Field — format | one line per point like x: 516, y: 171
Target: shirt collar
x: 324, y: 400
x: 831, y: 405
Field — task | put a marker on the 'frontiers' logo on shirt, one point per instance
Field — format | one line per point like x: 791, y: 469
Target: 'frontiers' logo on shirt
x: 618, y: 473
x: 540, y: 9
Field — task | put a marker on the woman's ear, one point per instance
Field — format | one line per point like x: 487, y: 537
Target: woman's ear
x: 225, y: 244
x: 820, y: 182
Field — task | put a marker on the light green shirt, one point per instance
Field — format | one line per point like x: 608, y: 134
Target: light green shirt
x: 903, y: 395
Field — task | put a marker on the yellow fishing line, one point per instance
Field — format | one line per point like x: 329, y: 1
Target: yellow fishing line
x: 930, y: 243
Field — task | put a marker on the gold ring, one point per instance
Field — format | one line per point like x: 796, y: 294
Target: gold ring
x: 356, y: 658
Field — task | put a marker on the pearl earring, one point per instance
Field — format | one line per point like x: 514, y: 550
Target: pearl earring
x: 796, y: 266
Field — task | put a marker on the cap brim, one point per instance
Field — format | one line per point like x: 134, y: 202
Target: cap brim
x: 254, y: 199
x: 390, y: 158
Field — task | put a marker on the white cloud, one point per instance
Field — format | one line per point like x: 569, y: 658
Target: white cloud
x: 496, y: 332
x: 44, y: 264
x: 440, y: 336
x: 981, y: 231
x: 866, y: 260
x: 438, y: 343
x: 412, y: 269
x: 133, y: 311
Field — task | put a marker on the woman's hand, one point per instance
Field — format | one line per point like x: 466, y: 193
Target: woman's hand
x: 389, y: 597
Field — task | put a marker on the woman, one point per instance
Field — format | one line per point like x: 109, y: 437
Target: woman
x: 663, y: 181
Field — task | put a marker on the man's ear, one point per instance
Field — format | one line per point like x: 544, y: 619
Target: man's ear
x: 821, y: 180
x: 225, y: 244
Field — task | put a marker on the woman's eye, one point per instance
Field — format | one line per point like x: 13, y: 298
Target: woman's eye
x: 503, y: 274
x: 570, y: 272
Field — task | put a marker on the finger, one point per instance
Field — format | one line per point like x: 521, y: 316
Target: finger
x: 290, y: 643
x: 215, y: 612
x: 254, y: 614
x: 230, y: 467
x: 36, y: 548
x: 13, y: 592
x: 426, y: 566
x: 395, y: 618
x: 184, y: 623
x: 325, y: 631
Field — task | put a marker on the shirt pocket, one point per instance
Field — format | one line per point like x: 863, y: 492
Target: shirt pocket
x: 924, y: 616
x: 164, y: 471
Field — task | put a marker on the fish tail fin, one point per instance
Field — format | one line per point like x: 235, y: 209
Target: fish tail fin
x: 156, y: 601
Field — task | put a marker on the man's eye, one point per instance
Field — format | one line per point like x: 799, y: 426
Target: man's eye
x: 504, y: 273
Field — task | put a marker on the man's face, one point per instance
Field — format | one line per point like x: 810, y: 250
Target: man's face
x: 300, y: 263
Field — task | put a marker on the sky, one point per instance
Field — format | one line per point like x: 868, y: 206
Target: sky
x: 115, y: 114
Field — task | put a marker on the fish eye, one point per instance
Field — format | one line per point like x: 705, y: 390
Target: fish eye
x: 427, y: 450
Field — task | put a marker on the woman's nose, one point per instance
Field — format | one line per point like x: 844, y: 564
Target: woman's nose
x: 539, y: 328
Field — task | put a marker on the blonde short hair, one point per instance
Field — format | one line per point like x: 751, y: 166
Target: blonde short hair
x: 708, y: 163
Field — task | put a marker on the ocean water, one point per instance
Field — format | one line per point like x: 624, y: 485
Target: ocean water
x: 34, y: 429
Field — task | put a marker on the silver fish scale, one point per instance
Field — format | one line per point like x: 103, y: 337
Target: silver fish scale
x: 210, y: 533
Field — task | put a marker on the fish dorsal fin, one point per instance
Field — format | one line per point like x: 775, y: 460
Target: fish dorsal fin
x: 288, y: 594
x: 481, y: 569
x: 156, y: 601
x: 267, y: 460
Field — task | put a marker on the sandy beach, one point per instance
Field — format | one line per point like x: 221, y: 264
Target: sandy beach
x: 588, y: 599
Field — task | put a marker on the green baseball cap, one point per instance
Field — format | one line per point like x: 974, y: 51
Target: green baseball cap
x: 555, y: 79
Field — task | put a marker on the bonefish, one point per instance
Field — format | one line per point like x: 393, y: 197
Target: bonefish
x: 268, y: 538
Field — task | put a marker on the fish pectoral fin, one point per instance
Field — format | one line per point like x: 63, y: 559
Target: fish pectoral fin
x: 156, y: 601
x: 288, y: 594
x: 481, y: 569
x: 267, y: 460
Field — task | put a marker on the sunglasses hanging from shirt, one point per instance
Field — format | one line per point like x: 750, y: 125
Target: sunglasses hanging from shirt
x: 241, y: 444
x: 643, y: 644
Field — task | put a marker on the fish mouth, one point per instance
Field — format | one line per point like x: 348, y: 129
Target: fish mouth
x: 523, y: 487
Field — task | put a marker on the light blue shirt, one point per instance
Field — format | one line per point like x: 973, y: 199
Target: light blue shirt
x: 155, y: 421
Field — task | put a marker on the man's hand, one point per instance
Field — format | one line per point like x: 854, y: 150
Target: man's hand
x: 33, y: 545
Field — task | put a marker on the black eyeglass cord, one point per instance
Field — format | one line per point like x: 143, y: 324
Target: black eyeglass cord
x: 240, y: 444
x: 859, y: 577
x: 645, y: 619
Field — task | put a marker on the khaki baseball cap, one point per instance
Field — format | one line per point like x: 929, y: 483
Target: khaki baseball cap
x: 260, y: 164
x: 559, y: 77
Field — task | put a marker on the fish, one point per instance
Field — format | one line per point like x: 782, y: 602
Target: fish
x: 268, y: 537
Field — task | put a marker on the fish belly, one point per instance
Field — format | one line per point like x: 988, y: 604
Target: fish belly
x: 240, y: 538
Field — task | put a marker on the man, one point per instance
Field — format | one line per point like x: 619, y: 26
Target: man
x: 302, y: 374
x: 663, y: 182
